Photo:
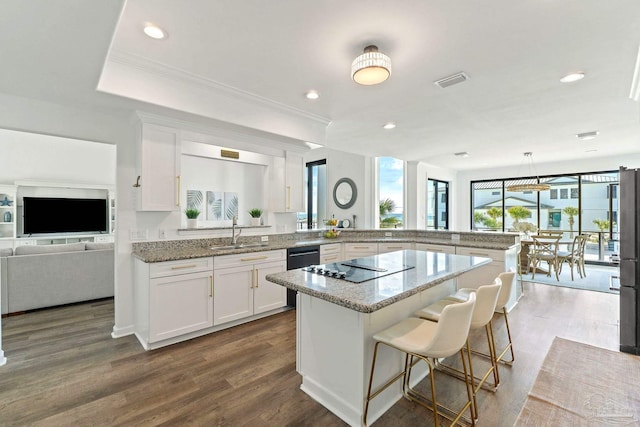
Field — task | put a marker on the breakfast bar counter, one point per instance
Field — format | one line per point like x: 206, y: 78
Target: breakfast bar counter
x: 338, y: 315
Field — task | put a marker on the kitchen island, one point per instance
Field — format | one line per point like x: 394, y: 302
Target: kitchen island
x: 338, y: 316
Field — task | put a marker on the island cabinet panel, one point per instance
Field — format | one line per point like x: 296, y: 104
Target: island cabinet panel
x: 172, y: 299
x: 330, y: 253
x: 391, y: 247
x: 359, y: 250
x: 503, y: 260
x: 159, y: 169
x: 240, y: 287
x: 445, y: 249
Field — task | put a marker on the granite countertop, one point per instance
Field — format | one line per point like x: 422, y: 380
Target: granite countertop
x: 167, y: 252
x: 430, y: 270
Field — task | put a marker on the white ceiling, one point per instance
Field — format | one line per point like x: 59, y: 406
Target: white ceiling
x: 267, y: 54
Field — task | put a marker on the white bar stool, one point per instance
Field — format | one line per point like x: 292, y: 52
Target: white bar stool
x: 427, y: 341
x: 486, y: 298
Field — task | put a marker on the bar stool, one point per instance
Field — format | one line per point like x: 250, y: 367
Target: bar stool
x: 486, y: 298
x: 507, y: 280
x: 427, y: 341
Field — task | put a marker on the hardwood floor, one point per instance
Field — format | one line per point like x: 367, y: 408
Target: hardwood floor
x: 64, y: 368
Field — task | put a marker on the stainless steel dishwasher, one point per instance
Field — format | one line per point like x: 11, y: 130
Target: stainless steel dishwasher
x: 298, y: 257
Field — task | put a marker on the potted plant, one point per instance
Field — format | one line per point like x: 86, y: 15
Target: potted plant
x: 192, y: 217
x: 255, y: 214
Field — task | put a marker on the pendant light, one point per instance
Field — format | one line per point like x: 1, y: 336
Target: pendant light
x: 526, y: 184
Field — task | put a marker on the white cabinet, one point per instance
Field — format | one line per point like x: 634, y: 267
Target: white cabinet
x: 445, y: 249
x: 288, y: 171
x: 172, y: 299
x: 359, y: 250
x: 392, y: 247
x: 240, y: 287
x: 330, y: 253
x: 7, y: 211
x: 159, y: 169
x: 503, y: 260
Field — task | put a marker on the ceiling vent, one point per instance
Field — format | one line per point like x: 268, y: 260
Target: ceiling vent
x: 452, y: 80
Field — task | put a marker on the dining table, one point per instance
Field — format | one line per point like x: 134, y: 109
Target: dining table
x: 525, y: 263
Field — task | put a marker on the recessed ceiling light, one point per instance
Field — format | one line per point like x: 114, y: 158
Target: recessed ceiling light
x: 461, y: 154
x: 312, y: 94
x: 389, y: 125
x: 154, y: 31
x: 587, y: 135
x: 572, y: 77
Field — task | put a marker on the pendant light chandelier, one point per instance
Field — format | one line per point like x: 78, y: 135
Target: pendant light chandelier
x: 371, y: 68
x: 526, y: 185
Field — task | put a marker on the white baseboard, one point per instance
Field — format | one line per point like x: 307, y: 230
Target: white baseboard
x: 122, y: 332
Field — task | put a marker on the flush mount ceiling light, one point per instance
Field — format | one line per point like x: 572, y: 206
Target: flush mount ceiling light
x: 154, y: 31
x: 529, y: 184
x: 312, y: 94
x: 371, y: 68
x: 389, y: 125
x: 572, y: 77
x: 461, y: 154
x: 587, y: 135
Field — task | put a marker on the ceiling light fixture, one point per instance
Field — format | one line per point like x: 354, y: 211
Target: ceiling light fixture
x: 529, y: 184
x: 154, y: 31
x: 312, y: 94
x: 389, y: 125
x: 572, y: 77
x: 587, y: 135
x: 371, y: 68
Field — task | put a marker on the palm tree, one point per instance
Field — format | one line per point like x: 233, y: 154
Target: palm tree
x: 571, y: 211
x: 386, y: 207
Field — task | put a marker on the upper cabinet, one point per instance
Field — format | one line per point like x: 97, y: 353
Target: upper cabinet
x: 159, y: 168
x: 290, y: 171
x: 7, y: 211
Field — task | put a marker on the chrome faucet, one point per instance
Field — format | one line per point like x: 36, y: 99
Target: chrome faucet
x: 234, y: 236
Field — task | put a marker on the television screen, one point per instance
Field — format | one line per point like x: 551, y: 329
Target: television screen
x: 60, y: 215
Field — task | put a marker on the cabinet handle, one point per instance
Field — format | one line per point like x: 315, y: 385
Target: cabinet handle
x: 178, y: 192
x: 211, y: 286
x: 251, y: 287
x: 330, y: 258
x: 395, y: 247
x: 180, y: 267
x: 257, y: 273
x: 255, y: 258
x: 288, y: 197
x: 361, y: 247
x: 479, y: 254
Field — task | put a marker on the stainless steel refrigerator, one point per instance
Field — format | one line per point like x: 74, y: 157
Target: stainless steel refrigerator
x: 629, y: 266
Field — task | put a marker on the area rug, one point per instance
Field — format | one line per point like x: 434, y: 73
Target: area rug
x: 599, y: 278
x: 582, y: 385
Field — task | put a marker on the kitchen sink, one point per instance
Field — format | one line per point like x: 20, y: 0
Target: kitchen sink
x: 238, y: 246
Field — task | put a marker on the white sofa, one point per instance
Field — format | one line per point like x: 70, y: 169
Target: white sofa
x: 49, y: 275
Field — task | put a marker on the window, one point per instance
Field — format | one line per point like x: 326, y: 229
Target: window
x: 316, y: 195
x: 391, y: 192
x: 553, y: 193
x: 564, y: 193
x: 574, y: 193
x: 495, y: 193
x: 613, y: 190
x: 437, y: 205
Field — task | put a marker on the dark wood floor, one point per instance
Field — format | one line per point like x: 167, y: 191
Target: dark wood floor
x: 64, y: 368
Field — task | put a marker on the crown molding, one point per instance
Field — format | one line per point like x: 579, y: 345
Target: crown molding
x: 153, y: 67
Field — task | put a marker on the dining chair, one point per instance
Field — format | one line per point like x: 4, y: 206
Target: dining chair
x: 574, y: 255
x: 544, y: 249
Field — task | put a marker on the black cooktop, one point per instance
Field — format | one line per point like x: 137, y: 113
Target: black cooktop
x: 359, y: 270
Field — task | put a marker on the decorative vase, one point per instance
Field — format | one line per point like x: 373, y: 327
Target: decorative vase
x: 255, y: 221
x: 7, y: 216
x: 192, y: 222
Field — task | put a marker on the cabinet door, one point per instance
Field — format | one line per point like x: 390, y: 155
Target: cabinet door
x: 294, y: 196
x: 392, y: 247
x: 232, y: 293
x: 267, y: 295
x: 180, y: 304
x: 435, y: 248
x: 360, y: 250
x: 159, y: 169
x: 330, y: 253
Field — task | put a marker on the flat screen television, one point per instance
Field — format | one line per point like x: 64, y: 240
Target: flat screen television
x: 45, y: 215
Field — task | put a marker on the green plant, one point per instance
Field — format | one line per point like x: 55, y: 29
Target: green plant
x: 387, y: 206
x: 571, y: 211
x: 255, y: 212
x: 602, y: 224
x: 192, y: 213
x: 518, y: 213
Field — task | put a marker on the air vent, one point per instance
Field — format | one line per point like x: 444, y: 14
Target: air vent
x: 587, y: 135
x: 452, y: 80
x: 230, y: 154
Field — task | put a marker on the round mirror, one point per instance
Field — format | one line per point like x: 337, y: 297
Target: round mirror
x: 345, y: 193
